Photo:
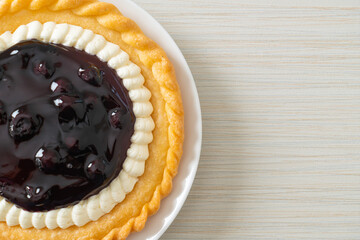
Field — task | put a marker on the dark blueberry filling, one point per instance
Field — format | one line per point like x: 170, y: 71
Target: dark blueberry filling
x: 65, y: 125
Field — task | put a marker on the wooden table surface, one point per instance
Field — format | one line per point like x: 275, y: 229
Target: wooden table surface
x: 279, y: 85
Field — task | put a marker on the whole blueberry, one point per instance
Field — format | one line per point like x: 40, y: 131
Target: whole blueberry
x: 46, y: 159
x: 23, y: 125
x: 95, y: 167
x: 44, y: 69
x: 115, y: 118
x: 91, y: 75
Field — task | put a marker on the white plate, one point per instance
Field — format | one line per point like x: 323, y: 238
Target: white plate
x: 171, y: 205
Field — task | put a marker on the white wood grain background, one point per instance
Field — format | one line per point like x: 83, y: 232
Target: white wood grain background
x: 279, y: 84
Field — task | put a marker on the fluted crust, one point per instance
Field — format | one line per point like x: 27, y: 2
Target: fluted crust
x: 166, y: 149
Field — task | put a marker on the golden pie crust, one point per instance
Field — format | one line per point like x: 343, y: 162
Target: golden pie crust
x: 166, y: 149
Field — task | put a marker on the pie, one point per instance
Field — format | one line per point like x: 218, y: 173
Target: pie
x: 91, y: 121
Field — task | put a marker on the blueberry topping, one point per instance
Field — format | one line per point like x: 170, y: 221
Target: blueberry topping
x: 29, y: 191
x: 61, y: 85
x: 46, y: 159
x: 40, y: 68
x: 24, y: 126
x: 72, y: 108
x: 63, y: 139
x: 91, y: 75
x: 115, y: 118
x: 3, y: 115
x: 25, y: 58
x: 44, y: 69
x: 67, y: 116
x: 91, y: 100
x: 2, y: 71
x: 95, y: 167
x: 71, y: 142
x: 109, y: 103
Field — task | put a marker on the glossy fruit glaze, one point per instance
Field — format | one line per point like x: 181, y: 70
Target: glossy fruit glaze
x: 65, y: 125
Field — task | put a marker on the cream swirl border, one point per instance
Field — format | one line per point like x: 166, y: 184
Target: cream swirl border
x: 98, y: 205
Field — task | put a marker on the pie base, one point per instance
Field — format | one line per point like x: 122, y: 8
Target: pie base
x: 165, y: 150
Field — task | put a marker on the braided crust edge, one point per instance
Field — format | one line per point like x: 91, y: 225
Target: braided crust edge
x: 154, y: 59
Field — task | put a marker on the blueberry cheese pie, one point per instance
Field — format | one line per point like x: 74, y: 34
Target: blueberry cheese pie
x: 91, y: 121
